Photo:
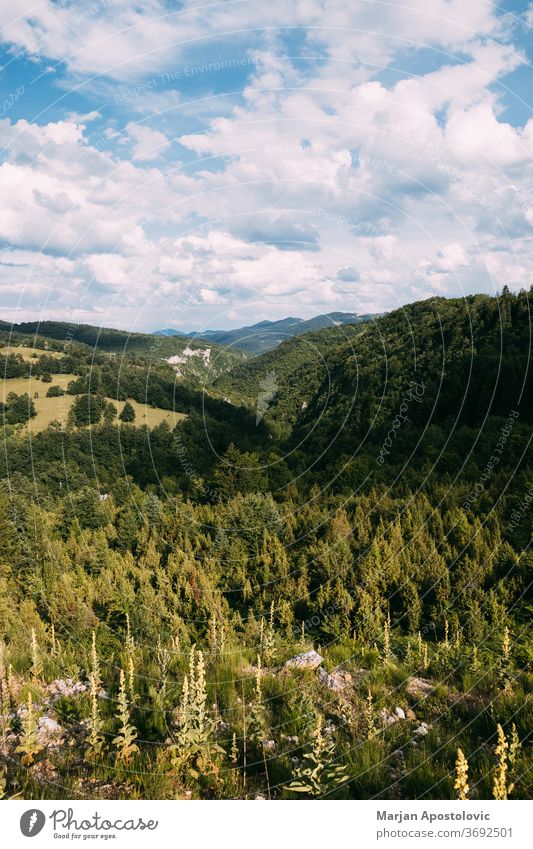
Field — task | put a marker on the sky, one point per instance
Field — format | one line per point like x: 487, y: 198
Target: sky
x: 208, y: 165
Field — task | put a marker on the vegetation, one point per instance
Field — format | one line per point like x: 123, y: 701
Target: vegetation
x: 156, y: 581
x: 128, y: 413
x: 17, y: 409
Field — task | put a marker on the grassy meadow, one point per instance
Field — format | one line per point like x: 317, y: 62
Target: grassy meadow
x: 57, y: 409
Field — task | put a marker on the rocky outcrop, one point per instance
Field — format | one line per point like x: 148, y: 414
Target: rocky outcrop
x: 307, y: 660
x: 419, y: 688
x: 337, y: 680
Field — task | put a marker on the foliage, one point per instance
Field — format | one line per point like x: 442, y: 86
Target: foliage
x: 142, y: 570
x: 319, y: 774
x: 127, y: 413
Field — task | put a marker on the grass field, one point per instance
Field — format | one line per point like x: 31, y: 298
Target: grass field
x: 57, y: 409
x: 26, y: 353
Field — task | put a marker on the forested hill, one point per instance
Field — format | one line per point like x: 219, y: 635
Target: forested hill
x: 326, y: 598
x: 446, y: 366
x: 193, y: 358
x: 287, y: 377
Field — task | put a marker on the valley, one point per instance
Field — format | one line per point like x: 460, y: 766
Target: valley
x: 316, y: 558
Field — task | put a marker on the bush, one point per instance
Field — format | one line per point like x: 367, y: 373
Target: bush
x: 86, y: 409
x: 19, y: 408
x: 54, y: 392
x: 46, y: 377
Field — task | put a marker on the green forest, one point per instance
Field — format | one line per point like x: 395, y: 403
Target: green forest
x: 317, y: 584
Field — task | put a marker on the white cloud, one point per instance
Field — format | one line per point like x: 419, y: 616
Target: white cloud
x: 318, y: 184
x: 122, y: 40
x: 147, y: 143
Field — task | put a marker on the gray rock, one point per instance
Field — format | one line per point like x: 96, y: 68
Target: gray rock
x: 336, y: 680
x: 387, y: 717
x: 400, y: 713
x: 66, y: 687
x: 419, y: 687
x: 422, y: 730
x: 307, y: 660
x: 49, y: 732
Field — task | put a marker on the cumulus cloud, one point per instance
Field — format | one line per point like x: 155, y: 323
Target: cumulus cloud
x: 147, y: 143
x: 323, y: 181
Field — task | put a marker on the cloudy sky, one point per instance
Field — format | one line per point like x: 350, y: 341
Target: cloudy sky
x: 190, y: 164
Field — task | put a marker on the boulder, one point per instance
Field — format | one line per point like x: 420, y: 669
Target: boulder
x: 307, y: 660
x: 420, y: 688
x: 65, y: 687
x: 400, y: 713
x: 336, y: 680
x: 49, y: 732
x: 388, y: 718
x: 422, y: 730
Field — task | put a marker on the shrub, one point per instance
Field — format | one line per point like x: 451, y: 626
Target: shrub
x: 54, y: 392
x: 86, y: 409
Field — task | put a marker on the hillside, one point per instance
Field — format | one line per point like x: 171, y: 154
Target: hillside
x: 279, y: 384
x: 347, y: 579
x: 33, y: 366
x: 455, y: 365
x: 193, y: 359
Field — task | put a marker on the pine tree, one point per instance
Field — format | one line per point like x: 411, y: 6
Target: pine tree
x: 127, y: 413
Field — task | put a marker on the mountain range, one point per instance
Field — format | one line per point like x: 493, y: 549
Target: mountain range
x: 267, y: 335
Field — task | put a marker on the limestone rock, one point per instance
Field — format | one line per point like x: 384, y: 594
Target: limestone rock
x: 336, y: 680
x: 65, y: 687
x: 49, y: 732
x: 388, y: 718
x: 307, y: 660
x: 419, y: 687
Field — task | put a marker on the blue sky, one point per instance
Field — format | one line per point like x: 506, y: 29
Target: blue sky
x: 212, y: 164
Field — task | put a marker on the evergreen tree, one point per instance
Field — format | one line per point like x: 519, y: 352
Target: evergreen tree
x: 128, y: 413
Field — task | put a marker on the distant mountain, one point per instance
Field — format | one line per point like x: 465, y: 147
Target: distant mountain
x: 267, y: 335
x: 169, y: 332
